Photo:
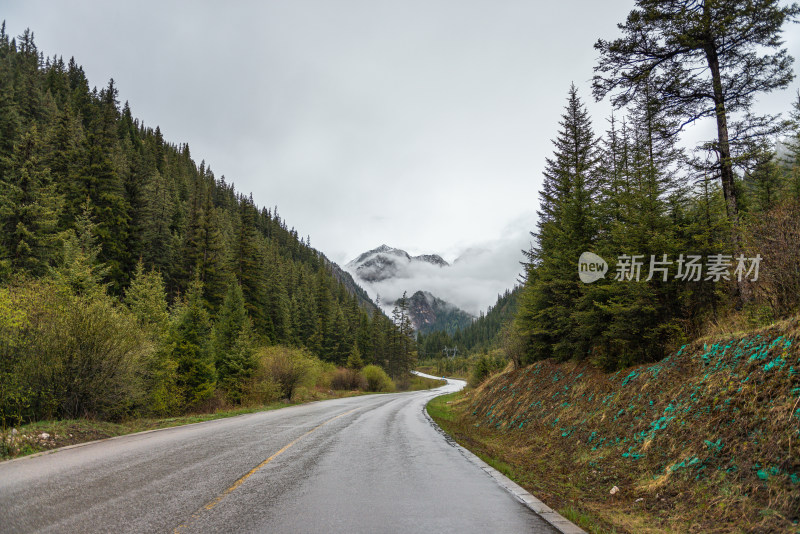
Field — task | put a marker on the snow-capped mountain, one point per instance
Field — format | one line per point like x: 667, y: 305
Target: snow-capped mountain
x: 386, y: 262
x: 389, y: 272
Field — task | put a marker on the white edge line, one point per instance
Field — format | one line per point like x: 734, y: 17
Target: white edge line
x: 556, y: 520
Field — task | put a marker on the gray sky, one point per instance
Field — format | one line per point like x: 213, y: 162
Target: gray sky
x: 420, y: 124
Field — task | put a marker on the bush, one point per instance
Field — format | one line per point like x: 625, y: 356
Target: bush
x: 66, y: 356
x: 348, y: 379
x: 258, y: 392
x: 377, y: 379
x: 289, y: 368
x: 487, y: 365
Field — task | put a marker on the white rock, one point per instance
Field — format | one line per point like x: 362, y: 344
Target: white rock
x: 44, y: 435
x: 640, y: 499
x: 614, y: 490
x: 14, y: 431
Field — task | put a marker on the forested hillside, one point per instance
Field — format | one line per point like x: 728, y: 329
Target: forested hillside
x: 432, y: 314
x: 125, y: 265
x: 482, y: 334
x: 697, y: 238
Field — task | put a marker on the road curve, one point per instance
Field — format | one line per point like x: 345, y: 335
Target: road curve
x: 368, y: 464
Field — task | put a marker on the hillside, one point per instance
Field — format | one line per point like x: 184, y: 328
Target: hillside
x: 149, y: 200
x: 346, y: 279
x: 706, y: 440
x: 483, y: 332
x: 134, y: 279
x: 383, y: 265
x: 432, y: 314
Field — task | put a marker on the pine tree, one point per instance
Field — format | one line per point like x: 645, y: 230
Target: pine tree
x: 63, y: 157
x: 625, y: 322
x: 354, y: 360
x: 706, y: 59
x: 567, y: 227
x: 276, y: 298
x: 232, y: 344
x: 27, y: 80
x: 249, y: 267
x: 80, y: 268
x: 29, y: 209
x: 147, y: 299
x: 10, y: 121
x: 188, y: 346
x: 214, y: 270
x: 791, y: 161
x: 764, y: 184
x: 158, y: 213
x: 100, y: 181
x: 204, y: 252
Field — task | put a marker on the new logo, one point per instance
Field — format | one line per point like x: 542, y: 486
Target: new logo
x: 591, y: 267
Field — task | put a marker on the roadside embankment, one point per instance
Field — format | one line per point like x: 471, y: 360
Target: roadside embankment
x: 705, y: 440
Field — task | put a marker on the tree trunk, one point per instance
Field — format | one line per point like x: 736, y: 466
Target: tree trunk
x: 723, y: 144
x: 725, y: 164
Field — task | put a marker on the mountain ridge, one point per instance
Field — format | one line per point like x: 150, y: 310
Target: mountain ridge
x: 384, y: 262
x: 430, y: 314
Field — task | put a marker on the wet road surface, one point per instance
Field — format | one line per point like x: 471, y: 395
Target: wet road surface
x: 368, y: 464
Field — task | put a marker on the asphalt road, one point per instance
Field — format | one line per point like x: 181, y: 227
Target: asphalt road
x: 368, y: 464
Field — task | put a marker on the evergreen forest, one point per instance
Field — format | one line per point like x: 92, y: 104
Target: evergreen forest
x: 135, y: 281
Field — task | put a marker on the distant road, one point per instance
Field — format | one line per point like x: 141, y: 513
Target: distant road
x: 369, y: 464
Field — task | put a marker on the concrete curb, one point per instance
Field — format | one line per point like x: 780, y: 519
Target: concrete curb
x: 555, y: 519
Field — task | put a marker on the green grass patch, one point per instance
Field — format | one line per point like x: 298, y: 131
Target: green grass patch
x: 500, y: 465
x: 439, y: 408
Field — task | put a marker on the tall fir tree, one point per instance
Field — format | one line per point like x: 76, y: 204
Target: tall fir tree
x: 189, y: 349
x: 232, y: 344
x: 29, y: 209
x: 567, y: 227
x: 706, y: 59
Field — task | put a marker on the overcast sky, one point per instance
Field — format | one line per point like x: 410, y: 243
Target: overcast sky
x: 420, y: 124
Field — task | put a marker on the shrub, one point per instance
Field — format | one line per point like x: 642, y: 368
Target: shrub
x: 348, y: 379
x: 64, y: 355
x: 327, y: 370
x: 289, y: 368
x: 258, y: 392
x: 487, y: 365
x: 377, y: 379
x: 775, y: 236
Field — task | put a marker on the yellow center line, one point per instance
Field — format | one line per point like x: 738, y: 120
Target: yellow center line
x: 255, y: 470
